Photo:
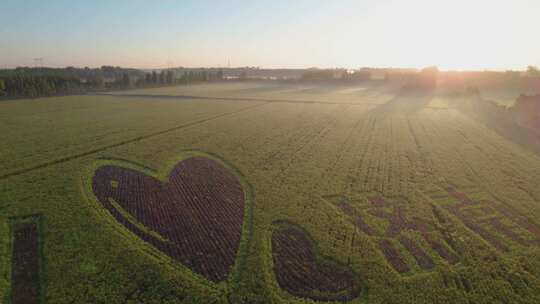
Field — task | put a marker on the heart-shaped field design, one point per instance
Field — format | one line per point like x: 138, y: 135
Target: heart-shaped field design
x: 302, y: 273
x: 195, y: 217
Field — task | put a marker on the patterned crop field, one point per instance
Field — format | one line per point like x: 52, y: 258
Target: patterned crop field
x: 172, y: 195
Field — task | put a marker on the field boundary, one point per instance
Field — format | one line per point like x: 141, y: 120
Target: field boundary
x: 270, y: 100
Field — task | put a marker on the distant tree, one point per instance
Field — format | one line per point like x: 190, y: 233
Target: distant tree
x: 162, y: 77
x: 43, y: 87
x: 170, y: 77
x: 33, y: 86
x: 183, y: 78
x: 148, y: 78
x: 219, y: 74
x: 125, y: 80
x: 316, y: 74
x: 2, y: 87
x: 533, y: 70
x: 97, y: 82
x: 345, y: 75
x: 360, y: 75
x: 427, y: 78
x: 473, y: 90
x: 431, y: 70
x: 154, y: 77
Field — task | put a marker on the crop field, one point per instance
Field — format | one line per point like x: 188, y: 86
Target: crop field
x: 368, y: 93
x: 264, y: 192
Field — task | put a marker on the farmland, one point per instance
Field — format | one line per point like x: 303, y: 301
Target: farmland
x: 400, y: 197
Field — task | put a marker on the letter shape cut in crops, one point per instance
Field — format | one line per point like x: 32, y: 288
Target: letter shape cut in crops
x: 398, y: 218
x: 195, y: 217
x: 506, y: 221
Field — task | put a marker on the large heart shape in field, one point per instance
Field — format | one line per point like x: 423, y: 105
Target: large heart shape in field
x: 196, y: 217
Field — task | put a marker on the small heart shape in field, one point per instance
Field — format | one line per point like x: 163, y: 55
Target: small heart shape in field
x: 195, y: 217
x: 302, y: 273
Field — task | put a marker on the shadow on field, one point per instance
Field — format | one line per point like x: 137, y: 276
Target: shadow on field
x: 519, y: 123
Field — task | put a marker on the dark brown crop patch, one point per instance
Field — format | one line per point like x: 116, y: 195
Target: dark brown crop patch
x: 195, y: 217
x: 26, y: 261
x: 301, y: 273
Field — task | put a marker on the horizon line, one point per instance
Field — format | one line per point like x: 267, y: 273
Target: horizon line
x: 5, y: 67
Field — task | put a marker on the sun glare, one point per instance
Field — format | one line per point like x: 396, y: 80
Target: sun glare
x: 458, y: 35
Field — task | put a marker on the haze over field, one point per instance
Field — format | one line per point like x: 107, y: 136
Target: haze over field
x: 269, y: 152
x: 480, y: 34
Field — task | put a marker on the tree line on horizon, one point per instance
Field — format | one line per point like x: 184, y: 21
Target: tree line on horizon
x: 40, y: 82
x: 36, y: 82
x: 35, y: 86
x: 169, y: 77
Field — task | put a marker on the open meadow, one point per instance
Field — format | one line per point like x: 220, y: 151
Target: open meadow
x: 265, y: 192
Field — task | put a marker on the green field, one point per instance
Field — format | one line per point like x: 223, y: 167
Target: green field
x: 301, y: 151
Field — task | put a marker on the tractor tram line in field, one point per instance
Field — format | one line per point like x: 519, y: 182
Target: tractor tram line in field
x: 191, y: 97
x: 124, y: 142
x: 342, y: 147
x: 270, y: 100
x: 307, y: 139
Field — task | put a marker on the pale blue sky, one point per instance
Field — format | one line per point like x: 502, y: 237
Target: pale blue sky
x: 458, y: 34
